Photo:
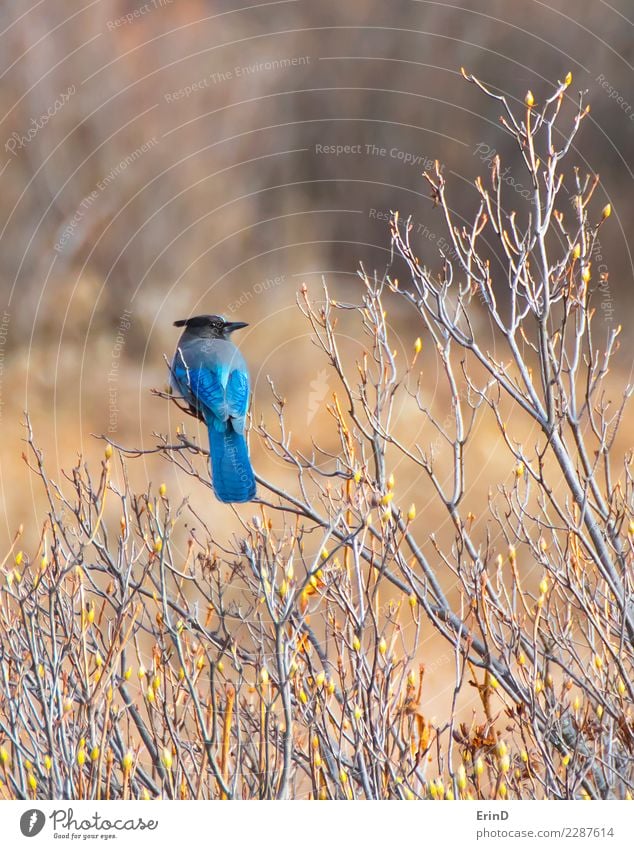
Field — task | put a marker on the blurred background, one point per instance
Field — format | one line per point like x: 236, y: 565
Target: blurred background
x: 173, y: 157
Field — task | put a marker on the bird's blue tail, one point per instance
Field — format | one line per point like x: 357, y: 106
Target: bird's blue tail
x: 231, y: 471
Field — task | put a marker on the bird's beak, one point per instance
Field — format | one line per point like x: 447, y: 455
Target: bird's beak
x: 230, y: 326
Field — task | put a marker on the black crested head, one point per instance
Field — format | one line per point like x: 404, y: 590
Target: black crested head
x: 214, y: 326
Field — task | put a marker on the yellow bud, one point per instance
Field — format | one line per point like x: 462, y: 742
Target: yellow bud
x: 303, y: 697
x: 324, y: 553
x: 606, y: 212
x: 493, y: 682
x: 331, y: 687
x: 598, y: 661
x: 413, y: 601
x: 385, y: 499
x: 18, y: 558
x: 4, y: 756
x: 126, y: 761
x: 505, y: 763
x: 586, y: 274
x: 108, y: 452
x: 201, y: 662
x: 521, y: 659
x: 479, y: 766
x: 99, y: 660
x: 524, y: 756
x: 343, y: 776
x: 128, y: 673
x: 283, y: 588
x: 32, y: 782
x: 81, y: 757
x: 220, y: 666
x: 162, y: 490
x: 512, y: 554
x: 40, y: 670
x: 621, y: 687
x: 167, y: 758
x: 357, y: 476
x: 319, y: 680
x: 502, y: 748
x: 382, y: 646
x: 630, y: 527
x: 90, y: 616
x: 411, y: 513
x: 94, y: 753
x: 356, y: 643
x: 543, y: 585
x: 565, y: 760
x: 519, y: 470
x: 539, y: 686
x: 386, y: 515
x: 576, y: 703
x: 150, y: 695
x: 418, y: 345
x: 357, y: 712
x: 48, y: 762
x: 568, y: 78
x: 502, y: 790
x: 576, y: 251
x: 158, y: 544
x: 599, y: 711
x: 529, y: 100
x: 390, y: 482
x: 462, y: 777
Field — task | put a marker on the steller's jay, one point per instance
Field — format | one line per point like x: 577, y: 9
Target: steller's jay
x: 211, y: 375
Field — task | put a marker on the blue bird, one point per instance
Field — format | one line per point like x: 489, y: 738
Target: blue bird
x: 212, y: 376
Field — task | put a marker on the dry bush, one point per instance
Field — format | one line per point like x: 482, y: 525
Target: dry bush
x: 287, y: 663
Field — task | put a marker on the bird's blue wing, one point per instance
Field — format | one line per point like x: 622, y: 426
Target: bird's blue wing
x: 237, y: 393
x: 204, y: 386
